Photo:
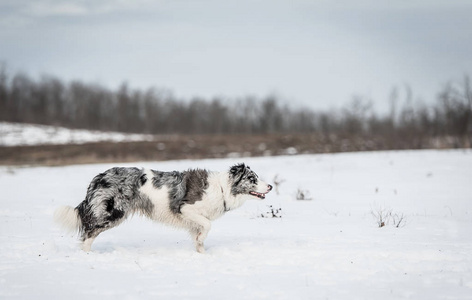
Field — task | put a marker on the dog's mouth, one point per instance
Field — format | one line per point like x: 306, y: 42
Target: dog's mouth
x: 258, y: 195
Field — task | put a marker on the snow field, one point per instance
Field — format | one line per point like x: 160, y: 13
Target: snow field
x: 329, y: 247
x: 17, y: 134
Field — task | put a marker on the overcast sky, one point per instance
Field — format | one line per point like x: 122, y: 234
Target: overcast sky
x: 314, y: 53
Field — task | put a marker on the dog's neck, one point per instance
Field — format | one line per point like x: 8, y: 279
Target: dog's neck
x: 230, y: 201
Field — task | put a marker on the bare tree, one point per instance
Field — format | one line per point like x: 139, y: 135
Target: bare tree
x: 355, y: 115
x: 3, y: 91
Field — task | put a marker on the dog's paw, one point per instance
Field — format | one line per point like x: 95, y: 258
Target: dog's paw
x: 200, y: 249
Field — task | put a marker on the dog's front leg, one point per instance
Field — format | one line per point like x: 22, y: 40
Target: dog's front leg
x: 199, y: 226
x: 199, y: 237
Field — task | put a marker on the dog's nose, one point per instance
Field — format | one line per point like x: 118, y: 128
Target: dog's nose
x: 269, y: 187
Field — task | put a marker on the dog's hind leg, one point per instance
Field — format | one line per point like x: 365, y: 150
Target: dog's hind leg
x: 199, y: 226
x: 88, y: 237
x: 95, y: 221
x: 87, y: 244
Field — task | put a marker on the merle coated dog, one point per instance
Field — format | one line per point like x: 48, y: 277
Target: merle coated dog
x: 189, y: 199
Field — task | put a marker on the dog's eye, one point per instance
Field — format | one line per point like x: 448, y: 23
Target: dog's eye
x: 252, y: 179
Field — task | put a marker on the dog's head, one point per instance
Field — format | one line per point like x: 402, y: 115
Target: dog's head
x: 245, y: 181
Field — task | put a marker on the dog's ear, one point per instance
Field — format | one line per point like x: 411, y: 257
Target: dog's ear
x: 237, y: 169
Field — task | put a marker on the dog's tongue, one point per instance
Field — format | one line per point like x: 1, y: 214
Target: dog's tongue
x: 260, y: 195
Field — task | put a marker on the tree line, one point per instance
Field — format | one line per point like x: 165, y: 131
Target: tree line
x: 51, y: 101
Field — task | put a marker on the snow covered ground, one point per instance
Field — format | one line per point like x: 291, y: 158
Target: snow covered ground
x: 329, y: 247
x: 16, y: 134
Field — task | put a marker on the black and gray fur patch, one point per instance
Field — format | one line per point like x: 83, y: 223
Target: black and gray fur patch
x: 243, y: 180
x: 111, y: 197
x: 184, y: 187
x: 196, y: 182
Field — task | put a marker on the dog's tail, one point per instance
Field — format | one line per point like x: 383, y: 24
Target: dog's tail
x: 68, y: 218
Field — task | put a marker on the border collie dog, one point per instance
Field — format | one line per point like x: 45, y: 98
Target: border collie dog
x: 189, y: 199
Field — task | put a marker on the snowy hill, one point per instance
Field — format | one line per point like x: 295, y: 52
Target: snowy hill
x: 16, y: 134
x: 329, y: 247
